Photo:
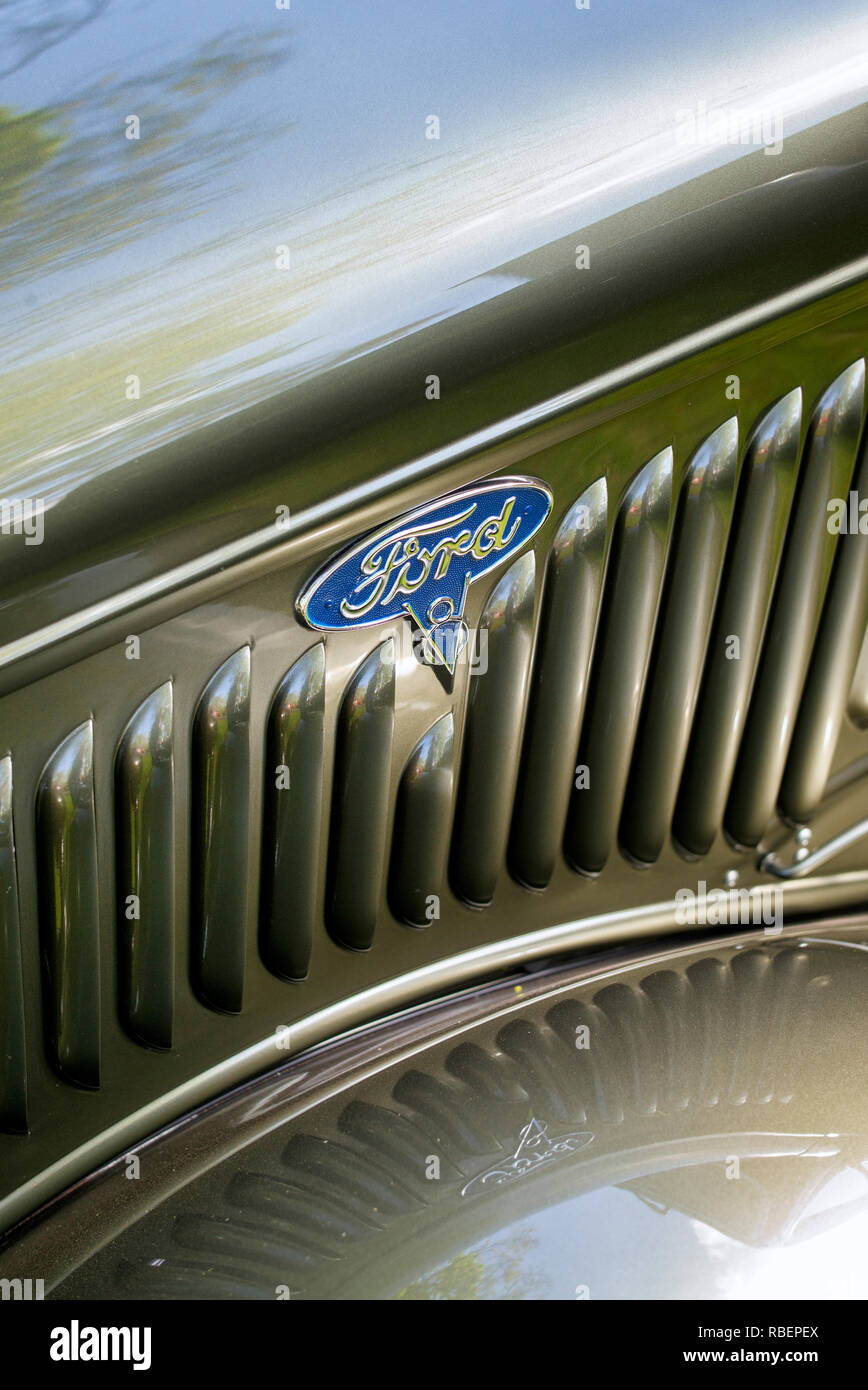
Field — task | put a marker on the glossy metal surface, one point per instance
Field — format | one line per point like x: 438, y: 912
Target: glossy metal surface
x: 13, y: 1057
x: 251, y: 604
x: 626, y: 632
x: 833, y: 667
x: 699, y: 542
x: 857, y: 703
x: 282, y: 257
x: 67, y: 847
x: 240, y: 313
x: 679, y: 1122
x: 805, y: 861
x: 146, y: 870
x: 798, y: 602
x: 767, y: 485
x: 221, y: 834
x: 423, y: 819
x: 559, y: 685
x: 357, y: 850
x: 425, y: 561
x: 291, y: 829
x: 492, y: 735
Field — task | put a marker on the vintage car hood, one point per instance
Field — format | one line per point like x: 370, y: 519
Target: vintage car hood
x: 159, y: 258
x: 277, y: 325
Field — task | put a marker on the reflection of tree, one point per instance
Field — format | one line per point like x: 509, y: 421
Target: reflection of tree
x: 91, y: 190
x: 26, y: 144
x: 28, y: 28
x: 494, y: 1270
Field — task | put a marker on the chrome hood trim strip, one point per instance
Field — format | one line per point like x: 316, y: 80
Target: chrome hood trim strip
x: 275, y: 538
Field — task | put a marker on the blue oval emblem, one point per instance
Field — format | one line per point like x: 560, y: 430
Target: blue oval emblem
x: 422, y: 565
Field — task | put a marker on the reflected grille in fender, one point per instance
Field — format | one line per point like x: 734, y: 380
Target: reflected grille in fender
x: 705, y: 1050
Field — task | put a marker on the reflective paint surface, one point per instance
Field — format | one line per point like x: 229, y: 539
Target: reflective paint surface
x: 229, y: 210
x: 687, y: 1123
x: 254, y: 315
x: 375, y: 711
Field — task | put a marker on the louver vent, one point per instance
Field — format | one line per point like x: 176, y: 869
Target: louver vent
x: 766, y: 493
x: 291, y: 832
x: 361, y: 800
x: 423, y: 818
x: 221, y: 834
x: 145, y: 808
x: 558, y: 692
x: 701, y: 529
x: 67, y: 850
x: 618, y: 673
x: 242, y: 843
x: 13, y: 1090
x: 826, y: 473
x: 492, y: 736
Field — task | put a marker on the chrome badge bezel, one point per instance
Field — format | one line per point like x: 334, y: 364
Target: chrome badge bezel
x: 524, y: 507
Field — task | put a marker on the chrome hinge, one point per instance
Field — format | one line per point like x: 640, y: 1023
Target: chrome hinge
x: 805, y: 860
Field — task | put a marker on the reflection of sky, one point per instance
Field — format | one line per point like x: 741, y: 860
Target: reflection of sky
x: 619, y: 1248
x: 351, y: 101
x: 551, y: 118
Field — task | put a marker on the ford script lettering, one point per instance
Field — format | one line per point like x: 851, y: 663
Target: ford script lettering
x: 422, y: 565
